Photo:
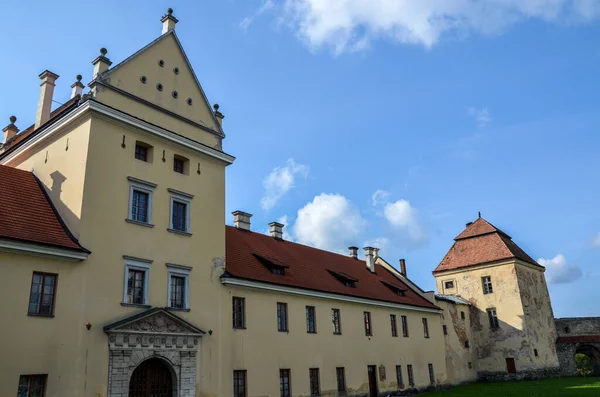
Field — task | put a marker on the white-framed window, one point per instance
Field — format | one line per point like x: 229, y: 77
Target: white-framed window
x: 137, y: 281
x: 486, y: 281
x: 180, y: 211
x: 179, y: 286
x: 140, y: 201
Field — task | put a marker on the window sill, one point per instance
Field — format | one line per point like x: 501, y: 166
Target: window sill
x: 337, y: 333
x: 179, y: 232
x: 40, y: 315
x: 138, y: 223
x: 284, y: 331
x: 311, y: 332
x: 178, y: 309
x: 135, y: 305
x: 241, y: 328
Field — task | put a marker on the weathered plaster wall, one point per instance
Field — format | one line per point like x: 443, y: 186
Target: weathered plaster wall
x: 539, y: 318
x: 577, y: 326
x: 458, y: 357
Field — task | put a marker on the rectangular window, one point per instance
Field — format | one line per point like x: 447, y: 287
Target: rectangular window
x: 467, y: 344
x: 431, y: 374
x: 493, y: 318
x: 425, y: 328
x: 179, y: 216
x: 282, y: 318
x: 449, y: 284
x: 32, y: 386
x: 367, y: 318
x: 404, y: 326
x: 239, y: 384
x: 285, y: 389
x: 179, y: 286
x: 139, y: 206
x: 399, y: 377
x: 181, y: 204
x: 239, y: 312
x: 337, y: 322
x: 340, y: 374
x: 41, y: 296
x: 315, y: 389
x: 311, y: 321
x: 394, y: 325
x: 411, y: 378
x: 141, y: 152
x: 462, y: 315
x: 136, y: 282
x: 445, y: 329
x: 178, y: 165
x: 487, y: 285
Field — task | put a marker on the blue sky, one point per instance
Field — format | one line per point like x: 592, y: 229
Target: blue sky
x: 443, y: 108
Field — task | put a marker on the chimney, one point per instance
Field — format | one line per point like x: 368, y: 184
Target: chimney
x: 77, y: 87
x: 241, y: 220
x: 101, y: 63
x: 276, y: 230
x: 403, y: 267
x: 375, y: 252
x: 370, y: 258
x: 218, y: 114
x: 168, y: 21
x: 45, y: 103
x: 353, y: 252
x: 10, y: 131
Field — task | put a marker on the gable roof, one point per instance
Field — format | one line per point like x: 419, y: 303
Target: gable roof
x: 311, y: 269
x: 170, y: 33
x: 481, y: 243
x: 27, y: 214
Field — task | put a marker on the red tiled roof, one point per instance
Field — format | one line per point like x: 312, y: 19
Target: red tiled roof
x: 309, y: 268
x: 26, y: 213
x: 481, y: 242
x: 578, y: 339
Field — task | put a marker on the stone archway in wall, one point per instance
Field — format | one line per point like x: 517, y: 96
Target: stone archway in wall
x: 153, y: 378
x: 593, y: 353
x: 154, y: 341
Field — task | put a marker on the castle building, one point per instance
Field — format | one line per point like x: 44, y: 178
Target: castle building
x: 124, y: 280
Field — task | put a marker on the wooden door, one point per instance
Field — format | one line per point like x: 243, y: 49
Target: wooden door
x: 151, y: 379
x: 510, y: 365
x: 372, y: 370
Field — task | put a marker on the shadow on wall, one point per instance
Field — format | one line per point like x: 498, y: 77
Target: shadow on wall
x: 55, y: 193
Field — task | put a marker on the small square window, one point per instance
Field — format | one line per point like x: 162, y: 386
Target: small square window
x: 181, y: 165
x: 32, y: 386
x: 179, y: 286
x: 449, y: 284
x: 136, y: 282
x: 42, y: 294
x: 143, y: 151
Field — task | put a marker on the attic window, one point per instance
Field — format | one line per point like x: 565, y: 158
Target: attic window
x: 175, y: 94
x: 398, y: 290
x: 159, y: 87
x: 189, y: 101
x: 143, y: 79
x: 344, y: 278
x: 161, y: 63
x: 176, y: 70
x: 274, y: 266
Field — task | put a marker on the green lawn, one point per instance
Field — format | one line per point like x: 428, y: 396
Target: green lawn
x: 562, y: 387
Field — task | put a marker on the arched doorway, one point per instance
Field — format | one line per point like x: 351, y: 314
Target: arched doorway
x: 152, y: 378
x: 593, y: 365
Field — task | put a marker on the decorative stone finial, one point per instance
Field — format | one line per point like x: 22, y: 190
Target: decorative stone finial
x: 216, y: 107
x: 79, y: 77
x: 12, y: 119
x: 169, y: 11
x: 479, y: 214
x: 103, y: 51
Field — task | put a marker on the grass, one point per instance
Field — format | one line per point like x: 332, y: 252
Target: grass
x: 560, y: 387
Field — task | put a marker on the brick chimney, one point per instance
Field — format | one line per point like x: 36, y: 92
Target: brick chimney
x: 403, y: 267
x: 45, y: 102
x: 101, y: 63
x: 10, y: 131
x: 353, y: 252
x: 168, y: 21
x: 241, y: 220
x: 370, y: 258
x: 276, y: 230
x: 77, y: 87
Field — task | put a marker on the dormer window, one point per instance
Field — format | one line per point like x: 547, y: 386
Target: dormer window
x: 398, y: 290
x: 344, y: 278
x: 274, y: 265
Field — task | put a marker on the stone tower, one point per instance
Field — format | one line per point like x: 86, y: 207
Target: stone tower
x: 511, y: 317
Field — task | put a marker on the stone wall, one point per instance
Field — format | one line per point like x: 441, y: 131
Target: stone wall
x: 577, y: 326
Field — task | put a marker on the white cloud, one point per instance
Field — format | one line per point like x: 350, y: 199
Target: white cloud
x: 380, y: 197
x: 402, y: 215
x: 481, y: 116
x: 265, y: 6
x: 559, y: 271
x: 329, y: 222
x: 351, y: 25
x: 280, y: 181
x: 595, y: 241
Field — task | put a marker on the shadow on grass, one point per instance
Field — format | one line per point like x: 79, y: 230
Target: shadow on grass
x: 560, y: 387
